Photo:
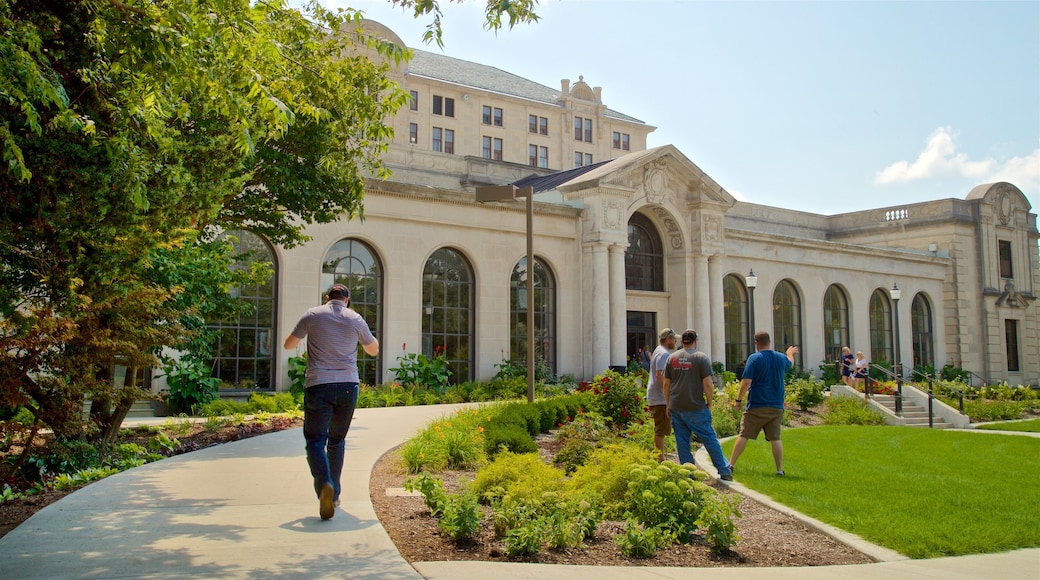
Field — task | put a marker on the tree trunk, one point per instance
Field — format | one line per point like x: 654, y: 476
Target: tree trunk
x: 114, y: 420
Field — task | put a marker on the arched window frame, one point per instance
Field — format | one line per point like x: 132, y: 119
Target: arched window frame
x: 355, y: 264
x: 644, y: 257
x: 835, y: 322
x: 544, y: 314
x: 245, y: 346
x: 922, y: 334
x: 735, y: 316
x: 787, y: 319
x: 881, y: 338
x: 449, y: 304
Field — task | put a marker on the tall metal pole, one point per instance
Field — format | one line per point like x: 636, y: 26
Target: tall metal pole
x: 530, y: 295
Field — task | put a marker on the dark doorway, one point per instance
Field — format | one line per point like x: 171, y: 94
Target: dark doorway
x: 642, y: 334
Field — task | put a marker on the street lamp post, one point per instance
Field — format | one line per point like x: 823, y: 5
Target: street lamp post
x: 511, y: 192
x: 895, y: 293
x: 751, y: 280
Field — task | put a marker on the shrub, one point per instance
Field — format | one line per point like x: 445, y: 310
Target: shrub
x: 952, y: 373
x: 415, y: 368
x: 272, y: 403
x: 619, y: 398
x: 716, y: 519
x: 642, y: 542
x: 579, y: 437
x: 523, y: 415
x: 420, y: 453
x: 994, y: 410
x: 190, y: 384
x: 432, y: 490
x: 463, y: 447
x: 509, y: 437
x: 460, y: 517
x: 606, y: 474
x: 806, y: 393
x: 224, y: 408
x: 666, y: 496
x: 526, y: 539
x: 515, y: 474
x: 851, y: 411
x: 298, y: 374
x: 830, y: 372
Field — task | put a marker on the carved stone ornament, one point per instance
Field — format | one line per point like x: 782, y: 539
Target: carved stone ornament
x: 1011, y: 297
x: 613, y: 214
x: 655, y: 182
x: 712, y: 229
x: 1005, y: 207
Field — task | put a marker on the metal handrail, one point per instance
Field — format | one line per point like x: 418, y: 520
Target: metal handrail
x: 974, y: 375
x: 899, y: 384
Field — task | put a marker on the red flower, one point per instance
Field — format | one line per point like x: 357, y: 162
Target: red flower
x: 624, y: 413
x: 605, y: 380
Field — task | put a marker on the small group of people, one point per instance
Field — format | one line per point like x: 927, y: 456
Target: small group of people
x: 681, y: 393
x: 853, y: 369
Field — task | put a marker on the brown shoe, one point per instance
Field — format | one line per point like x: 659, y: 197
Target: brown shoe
x: 326, y: 505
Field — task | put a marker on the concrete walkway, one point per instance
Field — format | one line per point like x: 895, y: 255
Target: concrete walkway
x: 246, y: 510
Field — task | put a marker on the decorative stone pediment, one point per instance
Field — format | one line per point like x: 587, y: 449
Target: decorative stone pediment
x: 1006, y: 200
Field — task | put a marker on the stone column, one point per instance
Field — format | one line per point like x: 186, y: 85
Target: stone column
x: 596, y: 308
x: 618, y: 301
x: 702, y: 305
x: 715, y: 346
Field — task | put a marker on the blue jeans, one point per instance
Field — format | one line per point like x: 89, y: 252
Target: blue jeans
x: 327, y: 411
x: 688, y: 423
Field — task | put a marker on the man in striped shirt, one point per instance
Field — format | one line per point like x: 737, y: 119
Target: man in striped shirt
x: 333, y: 332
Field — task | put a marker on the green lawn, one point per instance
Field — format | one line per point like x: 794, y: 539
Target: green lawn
x: 1030, y: 425
x: 924, y: 493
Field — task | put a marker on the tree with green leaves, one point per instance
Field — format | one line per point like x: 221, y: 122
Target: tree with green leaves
x: 130, y: 132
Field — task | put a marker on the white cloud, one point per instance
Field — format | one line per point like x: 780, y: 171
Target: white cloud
x: 1024, y: 172
x: 938, y: 159
x: 738, y: 195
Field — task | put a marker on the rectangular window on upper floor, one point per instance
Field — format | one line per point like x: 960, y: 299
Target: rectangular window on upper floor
x: 543, y: 157
x: 413, y: 101
x: 1004, y: 258
x: 438, y: 138
x: 532, y: 155
x: 443, y: 106
x: 1011, y: 342
x: 620, y: 141
x: 532, y: 123
x: 449, y: 141
x: 413, y: 133
x: 496, y: 149
x: 543, y: 126
x: 485, y: 149
x: 588, y: 130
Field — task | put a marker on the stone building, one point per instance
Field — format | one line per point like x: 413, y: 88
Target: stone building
x: 628, y: 240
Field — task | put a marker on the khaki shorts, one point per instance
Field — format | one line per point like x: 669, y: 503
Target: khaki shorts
x: 662, y: 425
x: 765, y: 419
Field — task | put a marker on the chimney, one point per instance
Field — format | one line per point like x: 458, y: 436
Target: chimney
x: 598, y: 91
x: 566, y: 84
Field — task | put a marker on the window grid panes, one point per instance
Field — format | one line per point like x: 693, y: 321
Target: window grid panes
x: 437, y: 138
x: 532, y: 123
x: 496, y: 117
x: 485, y: 147
x: 544, y: 313
x: 413, y: 133
x: 413, y: 102
x: 532, y: 155
x: 543, y: 157
x: 735, y: 316
x: 835, y: 323
x: 921, y: 329
x: 447, y: 298
x: 543, y: 126
x: 354, y: 264
x: 644, y: 258
x: 787, y: 319
x: 485, y: 115
x: 245, y: 344
x: 449, y: 141
x: 880, y: 326
x: 496, y: 149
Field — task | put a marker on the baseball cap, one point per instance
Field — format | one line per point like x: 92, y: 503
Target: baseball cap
x: 665, y: 333
x: 689, y: 335
x: 338, y: 292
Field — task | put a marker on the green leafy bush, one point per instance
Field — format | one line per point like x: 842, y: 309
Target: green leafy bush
x: 272, y: 403
x: 994, y: 409
x: 515, y: 474
x: 298, y: 374
x: 190, y: 384
x: 460, y: 517
x: 509, y: 437
x: 605, y: 474
x: 830, y: 372
x: 806, y: 393
x: 851, y: 411
x: 416, y: 368
x: 665, y: 496
x: 420, y: 453
x: 716, y: 518
x: 432, y: 490
x: 224, y: 408
x: 526, y: 539
x: 642, y: 542
x: 579, y: 438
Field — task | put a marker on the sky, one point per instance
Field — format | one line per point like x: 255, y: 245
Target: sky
x: 823, y: 106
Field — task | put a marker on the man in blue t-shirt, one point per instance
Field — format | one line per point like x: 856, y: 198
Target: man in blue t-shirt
x: 763, y: 383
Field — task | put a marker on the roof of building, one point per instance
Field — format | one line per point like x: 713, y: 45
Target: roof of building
x: 480, y: 76
x: 549, y: 182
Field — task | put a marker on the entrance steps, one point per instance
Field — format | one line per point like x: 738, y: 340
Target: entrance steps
x: 913, y: 415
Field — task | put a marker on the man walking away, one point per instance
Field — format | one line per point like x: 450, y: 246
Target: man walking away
x: 333, y: 332
x: 763, y: 383
x: 689, y: 390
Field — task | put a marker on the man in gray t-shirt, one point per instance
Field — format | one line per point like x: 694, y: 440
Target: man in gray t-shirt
x: 333, y: 332
x: 690, y: 391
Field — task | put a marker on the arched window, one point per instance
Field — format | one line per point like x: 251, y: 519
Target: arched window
x: 447, y: 298
x: 787, y: 319
x: 245, y: 344
x: 644, y: 259
x: 835, y: 323
x: 544, y: 313
x: 880, y: 326
x: 921, y: 329
x: 353, y: 263
x: 735, y: 309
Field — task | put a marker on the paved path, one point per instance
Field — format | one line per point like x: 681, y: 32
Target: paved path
x: 246, y: 510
